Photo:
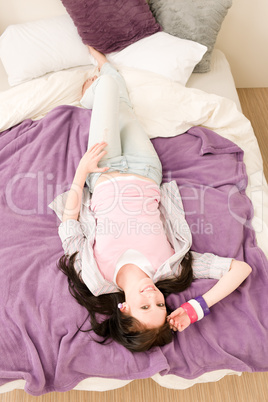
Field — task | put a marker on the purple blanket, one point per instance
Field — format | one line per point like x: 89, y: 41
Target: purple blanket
x: 39, y: 341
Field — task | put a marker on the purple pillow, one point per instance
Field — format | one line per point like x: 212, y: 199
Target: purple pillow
x: 111, y: 25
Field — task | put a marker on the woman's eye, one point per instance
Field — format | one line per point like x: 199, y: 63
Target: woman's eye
x: 145, y: 307
x: 161, y: 305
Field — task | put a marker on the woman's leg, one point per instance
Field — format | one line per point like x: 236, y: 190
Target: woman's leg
x: 104, y: 125
x: 135, y: 143
x: 134, y: 140
x: 137, y: 147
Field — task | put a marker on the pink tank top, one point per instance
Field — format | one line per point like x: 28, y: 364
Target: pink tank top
x: 127, y: 215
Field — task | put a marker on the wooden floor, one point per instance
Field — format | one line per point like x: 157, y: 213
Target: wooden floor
x: 247, y: 388
x: 254, y: 102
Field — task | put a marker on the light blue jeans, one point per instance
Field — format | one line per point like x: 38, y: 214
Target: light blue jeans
x: 129, y: 149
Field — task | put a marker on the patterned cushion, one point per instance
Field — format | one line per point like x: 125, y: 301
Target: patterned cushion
x: 111, y: 25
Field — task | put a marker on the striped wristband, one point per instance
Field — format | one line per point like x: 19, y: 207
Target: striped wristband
x: 199, y: 311
x: 203, y: 304
x: 196, y: 309
x: 188, y: 308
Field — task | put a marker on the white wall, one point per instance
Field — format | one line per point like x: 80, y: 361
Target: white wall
x: 243, y: 37
x: 244, y: 40
x: 17, y: 11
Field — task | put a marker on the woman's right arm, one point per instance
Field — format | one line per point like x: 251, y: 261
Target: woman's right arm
x: 238, y: 272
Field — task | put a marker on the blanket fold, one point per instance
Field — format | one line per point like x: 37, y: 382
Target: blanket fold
x: 39, y: 341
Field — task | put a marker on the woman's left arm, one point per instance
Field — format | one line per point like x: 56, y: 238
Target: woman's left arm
x: 88, y: 164
x: 238, y: 272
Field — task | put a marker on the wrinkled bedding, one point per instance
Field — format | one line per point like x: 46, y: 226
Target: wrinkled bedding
x: 218, y: 172
x: 39, y: 339
x: 164, y: 108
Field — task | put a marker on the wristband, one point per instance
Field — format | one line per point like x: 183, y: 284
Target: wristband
x: 188, y: 308
x: 198, y: 309
x: 203, y: 304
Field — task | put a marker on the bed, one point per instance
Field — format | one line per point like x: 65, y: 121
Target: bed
x: 204, y: 142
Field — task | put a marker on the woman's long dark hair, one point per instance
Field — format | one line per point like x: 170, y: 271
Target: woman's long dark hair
x: 126, y: 330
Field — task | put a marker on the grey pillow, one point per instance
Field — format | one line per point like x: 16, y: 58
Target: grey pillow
x: 197, y: 20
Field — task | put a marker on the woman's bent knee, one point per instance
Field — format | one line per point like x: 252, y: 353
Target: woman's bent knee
x: 108, y: 83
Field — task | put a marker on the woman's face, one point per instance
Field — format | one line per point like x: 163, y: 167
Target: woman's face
x: 146, y: 303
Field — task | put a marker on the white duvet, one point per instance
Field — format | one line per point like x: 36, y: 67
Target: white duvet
x: 164, y: 108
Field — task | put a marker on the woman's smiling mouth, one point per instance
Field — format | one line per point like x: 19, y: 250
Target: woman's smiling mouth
x: 148, y: 289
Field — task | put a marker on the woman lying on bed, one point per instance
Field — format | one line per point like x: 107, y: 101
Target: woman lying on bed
x: 133, y: 250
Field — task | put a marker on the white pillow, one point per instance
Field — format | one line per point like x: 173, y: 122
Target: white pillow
x: 35, y: 48
x: 163, y: 54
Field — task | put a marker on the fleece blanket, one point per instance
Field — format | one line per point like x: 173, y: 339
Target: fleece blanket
x: 164, y: 108
x: 39, y: 341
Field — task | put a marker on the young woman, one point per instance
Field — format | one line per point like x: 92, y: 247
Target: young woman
x: 130, y: 249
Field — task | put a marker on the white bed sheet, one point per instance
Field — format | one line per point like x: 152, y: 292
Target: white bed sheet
x: 220, y: 82
x: 3, y: 78
x: 107, y: 384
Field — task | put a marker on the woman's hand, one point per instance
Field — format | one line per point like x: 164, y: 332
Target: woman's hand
x: 179, y: 320
x: 89, y: 162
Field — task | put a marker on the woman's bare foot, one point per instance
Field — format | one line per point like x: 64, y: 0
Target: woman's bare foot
x: 100, y: 57
x: 88, y: 83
